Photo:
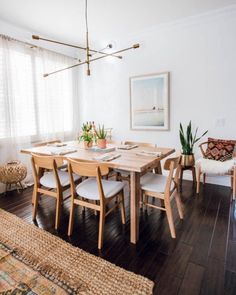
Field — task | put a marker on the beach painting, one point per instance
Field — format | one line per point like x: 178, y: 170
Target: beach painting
x: 149, y: 102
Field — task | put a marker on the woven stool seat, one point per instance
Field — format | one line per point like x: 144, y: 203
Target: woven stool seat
x: 12, y: 173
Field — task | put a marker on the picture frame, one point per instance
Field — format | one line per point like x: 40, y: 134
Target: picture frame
x: 149, y: 102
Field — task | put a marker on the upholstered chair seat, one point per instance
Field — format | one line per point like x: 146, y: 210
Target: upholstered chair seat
x: 155, y: 182
x: 48, y: 179
x: 88, y: 189
x: 215, y: 167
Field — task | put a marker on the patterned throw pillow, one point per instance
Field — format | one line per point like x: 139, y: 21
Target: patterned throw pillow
x: 219, y: 149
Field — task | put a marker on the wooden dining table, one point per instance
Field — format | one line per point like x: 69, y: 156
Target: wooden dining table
x: 136, y: 161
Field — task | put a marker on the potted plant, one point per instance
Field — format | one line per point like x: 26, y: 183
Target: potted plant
x: 87, y: 138
x: 188, y: 140
x: 87, y: 135
x: 101, y: 135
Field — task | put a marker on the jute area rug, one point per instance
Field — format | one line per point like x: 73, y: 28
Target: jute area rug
x: 72, y: 269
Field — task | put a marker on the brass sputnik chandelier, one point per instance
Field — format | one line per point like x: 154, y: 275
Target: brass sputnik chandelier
x: 89, y: 51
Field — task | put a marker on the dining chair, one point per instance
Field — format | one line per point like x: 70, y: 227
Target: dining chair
x: 207, y: 165
x: 43, y: 143
x: 94, y: 192
x: 122, y: 175
x: 164, y: 188
x: 49, y: 181
x: 113, y: 142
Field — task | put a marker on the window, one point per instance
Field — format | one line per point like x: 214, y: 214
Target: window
x: 31, y: 105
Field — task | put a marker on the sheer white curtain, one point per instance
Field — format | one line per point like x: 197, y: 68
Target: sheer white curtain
x: 33, y: 108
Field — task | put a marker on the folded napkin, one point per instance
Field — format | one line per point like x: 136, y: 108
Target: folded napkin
x: 107, y: 158
x: 63, y: 151
x: 150, y: 154
x: 127, y: 147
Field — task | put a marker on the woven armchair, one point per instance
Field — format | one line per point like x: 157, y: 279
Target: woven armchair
x: 205, y: 166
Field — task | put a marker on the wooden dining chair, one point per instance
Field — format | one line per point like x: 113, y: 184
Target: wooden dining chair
x: 43, y: 143
x: 206, y: 166
x: 122, y: 175
x: 49, y: 181
x: 94, y: 192
x: 164, y: 188
x: 114, y: 142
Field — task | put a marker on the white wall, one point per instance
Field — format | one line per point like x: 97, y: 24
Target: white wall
x: 26, y: 36
x: 199, y: 52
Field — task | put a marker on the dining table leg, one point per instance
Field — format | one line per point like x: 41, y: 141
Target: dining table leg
x: 134, y: 206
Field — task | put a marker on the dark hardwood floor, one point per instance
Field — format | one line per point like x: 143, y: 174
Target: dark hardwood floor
x: 201, y: 260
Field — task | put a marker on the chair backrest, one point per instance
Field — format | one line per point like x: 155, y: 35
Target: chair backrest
x: 203, y: 150
x: 142, y: 144
x: 46, y: 162
x: 115, y: 142
x: 40, y: 163
x: 172, y: 165
x: 46, y: 142
x: 88, y: 169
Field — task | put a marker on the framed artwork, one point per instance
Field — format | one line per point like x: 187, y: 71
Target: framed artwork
x: 149, y: 102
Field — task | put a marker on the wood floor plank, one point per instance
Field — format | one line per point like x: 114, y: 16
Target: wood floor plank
x: 231, y: 256
x: 213, y: 282
x: 192, y: 280
x: 218, y: 246
x: 230, y: 283
x: 206, y: 230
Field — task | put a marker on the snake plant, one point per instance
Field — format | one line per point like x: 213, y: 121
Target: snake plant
x: 100, y: 132
x: 188, y: 140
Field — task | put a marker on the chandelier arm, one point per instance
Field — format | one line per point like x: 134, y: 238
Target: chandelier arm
x: 135, y: 46
x: 35, y: 37
x: 67, y: 68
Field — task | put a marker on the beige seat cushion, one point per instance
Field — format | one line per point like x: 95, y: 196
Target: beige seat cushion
x: 89, y: 188
x: 214, y: 167
x: 48, y: 179
x: 154, y: 182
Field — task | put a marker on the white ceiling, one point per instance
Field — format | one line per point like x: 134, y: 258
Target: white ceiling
x: 108, y: 19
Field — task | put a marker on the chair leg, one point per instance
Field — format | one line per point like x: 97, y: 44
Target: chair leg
x: 95, y: 211
x: 141, y: 200
x: 234, y: 183
x: 179, y: 205
x: 71, y: 220
x: 204, y: 178
x: 58, y: 212
x: 36, y: 200
x: 170, y: 218
x: 83, y: 208
x: 101, y: 228
x: 162, y: 203
x: 118, y: 178
x: 198, y: 179
x: 122, y: 207
x: 146, y: 199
